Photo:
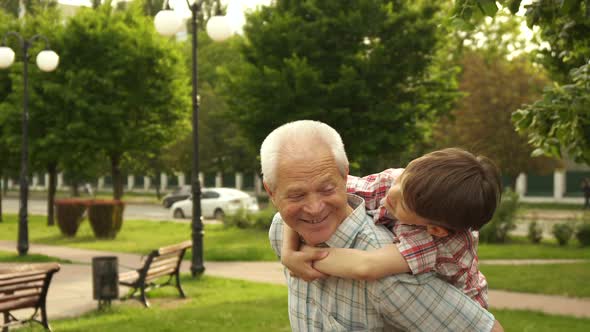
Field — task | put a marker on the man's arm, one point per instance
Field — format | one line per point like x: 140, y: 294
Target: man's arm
x: 424, y: 302
x: 359, y: 264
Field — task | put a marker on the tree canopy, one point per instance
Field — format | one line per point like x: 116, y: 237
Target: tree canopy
x: 360, y: 66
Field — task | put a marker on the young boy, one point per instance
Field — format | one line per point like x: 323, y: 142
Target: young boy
x: 434, y: 207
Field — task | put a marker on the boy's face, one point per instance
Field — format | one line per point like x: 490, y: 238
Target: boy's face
x: 394, y: 204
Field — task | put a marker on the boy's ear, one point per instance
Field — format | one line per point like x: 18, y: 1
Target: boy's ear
x: 437, y: 231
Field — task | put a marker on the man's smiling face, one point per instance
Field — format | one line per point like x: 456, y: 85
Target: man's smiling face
x: 310, y: 194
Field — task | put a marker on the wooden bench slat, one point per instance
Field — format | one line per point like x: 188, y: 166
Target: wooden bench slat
x: 17, y: 287
x: 27, y: 270
x: 159, y: 274
x: 176, y: 247
x: 15, y: 281
x: 19, y: 295
x: 19, y: 304
x: 169, y: 261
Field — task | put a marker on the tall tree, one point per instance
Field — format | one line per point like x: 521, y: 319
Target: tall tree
x: 560, y: 121
x: 494, y: 88
x: 360, y: 66
x: 128, y: 84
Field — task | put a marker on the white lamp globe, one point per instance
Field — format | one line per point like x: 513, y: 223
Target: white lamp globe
x: 6, y: 57
x: 167, y: 22
x: 47, y: 60
x: 218, y: 28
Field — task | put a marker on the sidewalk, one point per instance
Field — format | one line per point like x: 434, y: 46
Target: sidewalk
x: 71, y: 290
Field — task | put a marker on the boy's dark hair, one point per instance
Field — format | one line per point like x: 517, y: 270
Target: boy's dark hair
x: 452, y: 188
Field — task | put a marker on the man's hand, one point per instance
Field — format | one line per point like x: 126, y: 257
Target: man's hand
x: 300, y: 263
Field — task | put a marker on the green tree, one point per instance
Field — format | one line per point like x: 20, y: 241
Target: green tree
x: 494, y: 88
x: 126, y: 83
x: 360, y: 66
x: 560, y: 121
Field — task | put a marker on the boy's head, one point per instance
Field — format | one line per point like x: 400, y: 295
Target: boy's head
x: 450, y: 188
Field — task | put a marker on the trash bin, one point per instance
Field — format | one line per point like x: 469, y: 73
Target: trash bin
x: 105, y: 279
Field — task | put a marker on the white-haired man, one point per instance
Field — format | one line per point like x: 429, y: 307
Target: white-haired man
x: 304, y: 168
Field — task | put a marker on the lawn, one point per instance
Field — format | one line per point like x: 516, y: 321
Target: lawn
x: 11, y: 257
x: 140, y: 236
x: 219, y: 305
x: 522, y: 248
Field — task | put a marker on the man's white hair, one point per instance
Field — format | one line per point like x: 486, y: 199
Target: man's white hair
x: 297, y: 136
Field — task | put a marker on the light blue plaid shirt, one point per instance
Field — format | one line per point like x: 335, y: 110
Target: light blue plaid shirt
x: 396, y: 303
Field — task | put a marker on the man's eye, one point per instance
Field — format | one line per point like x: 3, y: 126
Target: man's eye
x: 328, y: 190
x: 295, y: 197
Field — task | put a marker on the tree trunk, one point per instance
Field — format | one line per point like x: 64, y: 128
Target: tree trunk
x: 5, y: 186
x: 157, y: 183
x: 51, y: 189
x: 75, y: 188
x: 1, y: 197
x: 117, y: 177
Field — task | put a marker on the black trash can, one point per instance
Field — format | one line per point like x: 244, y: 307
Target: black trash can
x: 105, y: 279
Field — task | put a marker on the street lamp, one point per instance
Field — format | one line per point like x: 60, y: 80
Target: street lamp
x: 47, y: 60
x: 167, y: 23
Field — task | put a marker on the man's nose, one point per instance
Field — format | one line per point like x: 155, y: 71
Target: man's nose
x: 314, y: 205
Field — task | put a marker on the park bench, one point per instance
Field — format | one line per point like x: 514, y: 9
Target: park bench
x: 163, y: 262
x: 25, y: 286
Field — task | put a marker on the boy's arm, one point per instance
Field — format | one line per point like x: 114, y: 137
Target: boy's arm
x: 300, y: 264
x: 372, y: 188
x: 359, y: 264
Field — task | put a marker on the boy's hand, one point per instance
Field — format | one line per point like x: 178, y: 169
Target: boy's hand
x: 300, y: 263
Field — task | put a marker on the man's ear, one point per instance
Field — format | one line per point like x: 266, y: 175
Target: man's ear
x: 269, y: 192
x: 437, y: 231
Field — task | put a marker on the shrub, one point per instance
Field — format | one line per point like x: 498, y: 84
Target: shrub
x: 496, y: 231
x: 535, y: 232
x: 562, y: 233
x: 244, y: 219
x: 106, y: 217
x: 69, y: 214
x: 583, y: 231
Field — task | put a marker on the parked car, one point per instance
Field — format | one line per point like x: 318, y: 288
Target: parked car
x: 216, y: 203
x: 179, y: 194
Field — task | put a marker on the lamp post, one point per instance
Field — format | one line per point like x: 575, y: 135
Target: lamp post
x: 47, y: 60
x: 167, y: 23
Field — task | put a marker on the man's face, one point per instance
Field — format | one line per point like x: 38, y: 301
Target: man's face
x: 310, y: 194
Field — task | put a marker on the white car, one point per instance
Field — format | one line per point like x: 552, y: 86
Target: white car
x: 216, y: 203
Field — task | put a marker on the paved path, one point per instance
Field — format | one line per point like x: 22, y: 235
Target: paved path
x: 71, y: 290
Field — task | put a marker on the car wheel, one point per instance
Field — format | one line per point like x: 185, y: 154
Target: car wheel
x: 178, y: 214
x: 218, y: 215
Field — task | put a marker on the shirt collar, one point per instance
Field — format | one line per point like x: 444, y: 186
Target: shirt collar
x: 346, y: 233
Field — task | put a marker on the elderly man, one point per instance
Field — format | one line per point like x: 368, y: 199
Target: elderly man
x: 304, y: 168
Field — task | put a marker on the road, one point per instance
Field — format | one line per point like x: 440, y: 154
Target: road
x: 132, y: 211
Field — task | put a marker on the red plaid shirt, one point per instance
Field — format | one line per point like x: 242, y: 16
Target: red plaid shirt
x: 453, y: 257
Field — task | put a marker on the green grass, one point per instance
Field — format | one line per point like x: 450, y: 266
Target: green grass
x: 140, y: 236
x: 220, y: 305
x: 522, y: 248
x: 13, y: 257
x: 529, y: 321
x: 555, y: 279
x: 213, y: 304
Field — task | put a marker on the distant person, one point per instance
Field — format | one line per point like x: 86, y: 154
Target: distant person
x: 586, y: 190
x: 89, y: 190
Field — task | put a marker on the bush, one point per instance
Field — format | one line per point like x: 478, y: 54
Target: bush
x: 583, y: 234
x: 106, y: 217
x: 244, y: 219
x: 583, y: 229
x: 535, y: 232
x: 562, y: 233
x: 496, y: 231
x: 69, y: 214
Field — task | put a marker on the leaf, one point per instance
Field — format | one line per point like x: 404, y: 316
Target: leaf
x: 514, y: 6
x: 568, y: 5
x: 537, y: 152
x: 488, y: 7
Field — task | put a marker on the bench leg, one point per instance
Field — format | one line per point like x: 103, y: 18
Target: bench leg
x: 180, y: 290
x: 6, y: 321
x: 143, y: 298
x: 44, y: 320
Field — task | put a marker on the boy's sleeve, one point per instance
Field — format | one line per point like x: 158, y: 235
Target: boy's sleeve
x: 373, y: 188
x: 417, y: 247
